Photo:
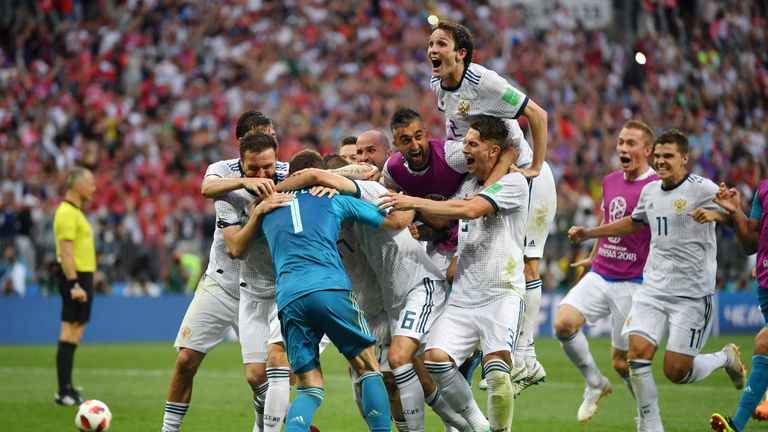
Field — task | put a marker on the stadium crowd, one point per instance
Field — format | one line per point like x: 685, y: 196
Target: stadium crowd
x: 145, y: 93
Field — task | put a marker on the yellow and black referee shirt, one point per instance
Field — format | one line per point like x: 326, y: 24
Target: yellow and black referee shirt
x: 70, y: 223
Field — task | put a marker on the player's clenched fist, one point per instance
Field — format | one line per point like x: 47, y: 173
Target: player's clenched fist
x: 577, y: 234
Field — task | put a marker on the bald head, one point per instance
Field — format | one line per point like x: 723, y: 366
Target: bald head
x: 373, y: 147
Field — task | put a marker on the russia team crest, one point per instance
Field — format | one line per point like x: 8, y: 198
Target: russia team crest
x: 679, y: 204
x: 463, y: 108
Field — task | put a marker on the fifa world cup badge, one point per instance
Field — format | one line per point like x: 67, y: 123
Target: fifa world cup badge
x: 679, y: 204
x: 463, y: 108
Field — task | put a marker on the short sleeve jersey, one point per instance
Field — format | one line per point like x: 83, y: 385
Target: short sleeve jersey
x: 302, y: 238
x: 70, y: 223
x: 682, y: 258
x: 482, y: 91
x: 491, y: 249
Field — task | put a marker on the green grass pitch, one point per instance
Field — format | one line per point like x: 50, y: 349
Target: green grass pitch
x: 132, y: 379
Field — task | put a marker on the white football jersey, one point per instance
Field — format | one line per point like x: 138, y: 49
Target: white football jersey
x: 365, y: 284
x: 399, y: 261
x: 483, y: 91
x: 222, y: 268
x: 491, y: 248
x: 682, y: 259
x: 256, y: 280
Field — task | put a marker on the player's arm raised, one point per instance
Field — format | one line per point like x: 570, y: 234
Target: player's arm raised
x: 537, y: 118
x: 619, y: 228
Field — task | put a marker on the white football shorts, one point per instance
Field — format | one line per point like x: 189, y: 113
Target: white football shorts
x: 208, y: 318
x: 495, y: 327
x: 422, y: 307
x: 597, y: 298
x: 686, y: 320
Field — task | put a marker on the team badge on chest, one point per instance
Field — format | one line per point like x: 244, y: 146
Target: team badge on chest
x: 679, y: 204
x: 463, y: 108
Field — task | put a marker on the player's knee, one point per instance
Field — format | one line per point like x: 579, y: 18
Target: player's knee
x: 761, y: 343
x: 435, y: 355
x: 188, y: 362
x: 620, y: 365
x: 565, y: 326
x: 676, y: 373
x: 277, y: 358
x: 640, y: 348
x: 256, y: 376
x: 398, y: 358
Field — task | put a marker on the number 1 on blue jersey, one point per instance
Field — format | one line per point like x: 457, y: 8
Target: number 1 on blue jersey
x: 296, y: 216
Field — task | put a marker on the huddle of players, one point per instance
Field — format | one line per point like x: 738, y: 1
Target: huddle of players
x: 503, y: 198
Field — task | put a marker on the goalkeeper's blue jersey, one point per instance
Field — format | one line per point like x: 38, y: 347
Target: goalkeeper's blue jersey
x: 302, y: 239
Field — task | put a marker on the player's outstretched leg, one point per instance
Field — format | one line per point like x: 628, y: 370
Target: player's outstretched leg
x: 704, y: 364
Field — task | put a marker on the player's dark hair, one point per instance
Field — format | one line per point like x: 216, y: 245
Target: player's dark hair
x: 333, y: 161
x: 74, y: 175
x: 304, y: 159
x: 462, y: 38
x: 403, y: 117
x: 492, y: 129
x: 257, y: 142
x: 644, y: 128
x: 676, y: 137
x: 250, y: 121
x: 348, y: 140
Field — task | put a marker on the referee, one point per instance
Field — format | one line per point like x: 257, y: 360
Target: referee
x: 76, y: 253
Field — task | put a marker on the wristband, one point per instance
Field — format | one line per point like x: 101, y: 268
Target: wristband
x: 73, y: 283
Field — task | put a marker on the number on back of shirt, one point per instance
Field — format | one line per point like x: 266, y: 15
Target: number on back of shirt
x: 296, y: 216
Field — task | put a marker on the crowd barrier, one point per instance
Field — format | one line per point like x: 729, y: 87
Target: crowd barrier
x: 147, y: 319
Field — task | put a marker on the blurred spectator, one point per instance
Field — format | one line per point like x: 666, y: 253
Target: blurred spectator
x: 182, y: 273
x: 348, y: 148
x: 13, y: 273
